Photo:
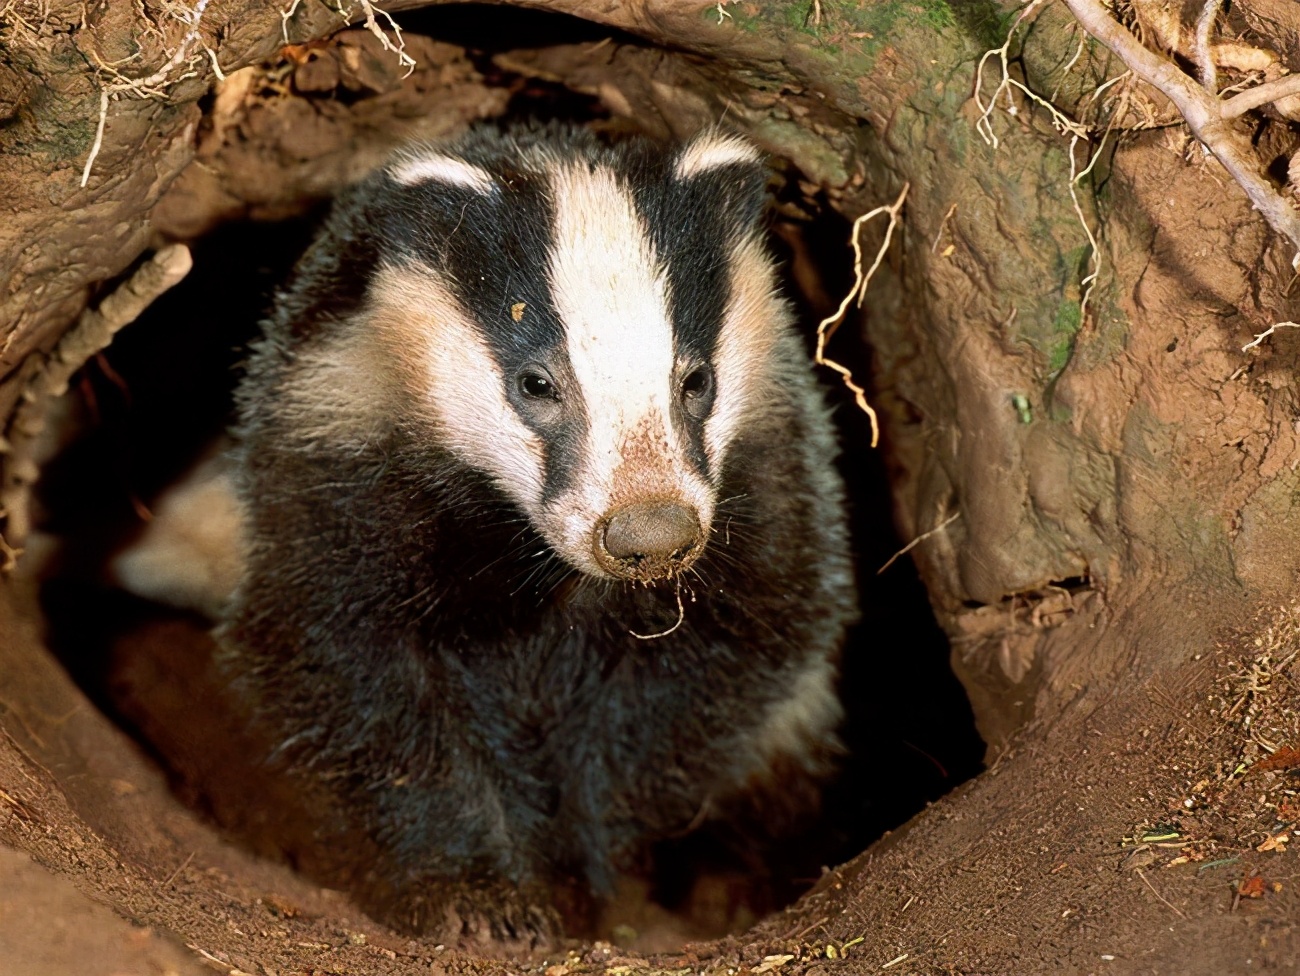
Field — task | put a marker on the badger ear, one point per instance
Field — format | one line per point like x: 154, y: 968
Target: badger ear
x: 728, y: 169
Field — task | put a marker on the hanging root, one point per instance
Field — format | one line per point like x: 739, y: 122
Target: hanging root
x: 681, y: 616
x: 1076, y: 130
x: 45, y: 377
x: 370, y: 14
x: 154, y: 84
x: 829, y: 325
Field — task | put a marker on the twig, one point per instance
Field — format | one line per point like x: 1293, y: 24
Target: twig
x: 828, y: 326
x: 1143, y: 876
x: 942, y: 224
x: 48, y: 377
x: 1271, y: 329
x: 1201, y: 110
x: 175, y: 874
x: 1251, y: 98
x: 1204, y: 53
x: 918, y: 540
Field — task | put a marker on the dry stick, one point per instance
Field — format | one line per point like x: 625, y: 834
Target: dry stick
x: 48, y: 377
x: 918, y: 540
x: 1202, y: 112
x: 175, y: 874
x: 1168, y: 904
x: 828, y: 326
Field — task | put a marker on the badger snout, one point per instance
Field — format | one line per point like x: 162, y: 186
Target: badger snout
x: 648, y: 541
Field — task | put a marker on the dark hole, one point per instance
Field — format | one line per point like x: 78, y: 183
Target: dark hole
x: 159, y: 395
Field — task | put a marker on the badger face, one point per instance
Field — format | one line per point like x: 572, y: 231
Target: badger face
x: 588, y: 329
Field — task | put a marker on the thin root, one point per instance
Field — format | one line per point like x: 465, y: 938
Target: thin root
x: 1271, y: 329
x: 681, y: 615
x: 829, y: 325
x: 918, y: 540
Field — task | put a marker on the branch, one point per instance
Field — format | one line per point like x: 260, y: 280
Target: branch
x: 1270, y: 91
x: 1203, y: 113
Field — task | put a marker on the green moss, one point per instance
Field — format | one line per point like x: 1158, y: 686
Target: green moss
x: 879, y: 22
x: 882, y: 17
x: 1069, y: 317
x: 987, y: 22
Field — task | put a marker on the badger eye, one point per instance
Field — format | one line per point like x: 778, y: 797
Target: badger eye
x: 535, y: 386
x: 697, y: 391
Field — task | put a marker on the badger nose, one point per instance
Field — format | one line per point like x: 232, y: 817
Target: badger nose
x: 650, y: 540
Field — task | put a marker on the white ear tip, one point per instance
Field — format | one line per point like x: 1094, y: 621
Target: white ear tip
x: 438, y: 168
x: 714, y: 151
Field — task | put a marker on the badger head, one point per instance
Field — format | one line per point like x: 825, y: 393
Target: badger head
x: 589, y: 326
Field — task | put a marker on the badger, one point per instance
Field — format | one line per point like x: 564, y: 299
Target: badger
x: 543, y: 552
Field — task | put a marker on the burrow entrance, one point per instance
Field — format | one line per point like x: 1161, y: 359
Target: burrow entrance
x: 148, y: 409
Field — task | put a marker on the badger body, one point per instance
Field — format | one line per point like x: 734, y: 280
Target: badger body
x: 545, y: 556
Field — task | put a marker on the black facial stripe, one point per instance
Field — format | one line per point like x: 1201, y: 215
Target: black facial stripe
x: 493, y: 251
x: 696, y: 224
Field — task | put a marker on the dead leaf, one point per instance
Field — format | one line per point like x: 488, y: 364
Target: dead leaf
x: 1252, y: 887
x: 1284, y: 759
x: 1276, y: 842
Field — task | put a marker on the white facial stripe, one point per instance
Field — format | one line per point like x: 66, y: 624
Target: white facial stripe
x: 712, y: 151
x: 442, y: 169
x: 611, y: 294
x: 753, y: 321
x: 460, y: 381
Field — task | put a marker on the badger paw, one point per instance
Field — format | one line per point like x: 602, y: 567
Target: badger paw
x: 501, y: 915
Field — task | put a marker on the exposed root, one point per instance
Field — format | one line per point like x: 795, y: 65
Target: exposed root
x: 370, y: 14
x: 154, y: 84
x: 1204, y: 55
x: 829, y: 325
x: 1203, y: 111
x: 984, y: 125
x: 1260, y: 95
x: 1271, y: 329
x: 45, y: 377
x: 1078, y: 131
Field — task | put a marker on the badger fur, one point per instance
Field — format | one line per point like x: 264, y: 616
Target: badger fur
x: 545, y: 556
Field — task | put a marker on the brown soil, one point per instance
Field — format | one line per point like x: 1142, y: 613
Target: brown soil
x: 1118, y: 587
